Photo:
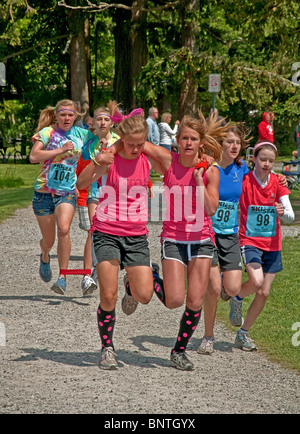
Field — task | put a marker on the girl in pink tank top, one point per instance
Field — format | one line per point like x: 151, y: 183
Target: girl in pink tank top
x: 187, y: 235
x: 119, y: 227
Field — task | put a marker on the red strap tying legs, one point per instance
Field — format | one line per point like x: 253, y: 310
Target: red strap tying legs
x: 79, y: 271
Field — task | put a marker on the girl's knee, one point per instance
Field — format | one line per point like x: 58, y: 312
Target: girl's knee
x: 108, y: 299
x: 174, y: 302
x: 214, y: 292
x: 63, y: 231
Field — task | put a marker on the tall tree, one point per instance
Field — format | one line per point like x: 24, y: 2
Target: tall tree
x: 130, y: 50
x: 80, y: 77
x: 188, y: 98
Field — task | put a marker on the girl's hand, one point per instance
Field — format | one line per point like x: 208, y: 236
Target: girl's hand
x: 282, y: 180
x: 103, y: 142
x: 199, y: 171
x: 198, y: 175
x: 279, y: 208
x: 68, y: 146
x: 209, y: 160
x: 105, y: 157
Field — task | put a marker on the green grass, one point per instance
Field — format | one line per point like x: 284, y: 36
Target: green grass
x: 272, y: 331
x: 13, y: 197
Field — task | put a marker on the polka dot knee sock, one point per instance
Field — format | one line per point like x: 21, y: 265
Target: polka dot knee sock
x: 188, y: 325
x: 158, y: 286
x: 106, y: 323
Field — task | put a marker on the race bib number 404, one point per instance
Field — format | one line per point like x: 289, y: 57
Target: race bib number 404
x: 261, y: 221
x: 62, y: 177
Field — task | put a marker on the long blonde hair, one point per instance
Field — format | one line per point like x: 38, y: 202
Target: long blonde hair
x: 211, y: 132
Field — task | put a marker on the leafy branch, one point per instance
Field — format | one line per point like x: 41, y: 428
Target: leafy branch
x: 102, y: 6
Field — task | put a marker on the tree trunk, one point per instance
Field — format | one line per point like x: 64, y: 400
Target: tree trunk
x: 130, y: 51
x: 123, y: 81
x: 188, y: 100
x: 78, y: 59
x: 138, y: 38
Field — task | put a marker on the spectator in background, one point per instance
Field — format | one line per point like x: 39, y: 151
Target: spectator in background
x: 153, y: 135
x: 296, y: 137
x: 265, y: 129
x: 272, y: 116
x: 165, y: 131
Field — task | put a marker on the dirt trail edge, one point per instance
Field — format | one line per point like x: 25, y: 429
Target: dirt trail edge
x: 48, y: 361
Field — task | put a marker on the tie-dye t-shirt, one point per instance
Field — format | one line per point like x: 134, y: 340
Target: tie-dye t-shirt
x: 58, y: 175
x: 94, y: 190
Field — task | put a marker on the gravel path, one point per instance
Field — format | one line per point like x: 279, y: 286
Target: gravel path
x: 49, y: 362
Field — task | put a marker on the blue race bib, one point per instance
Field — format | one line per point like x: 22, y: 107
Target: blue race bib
x: 224, y: 219
x: 261, y: 221
x: 62, y: 177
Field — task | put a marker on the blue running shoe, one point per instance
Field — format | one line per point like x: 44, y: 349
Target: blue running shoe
x: 45, y: 270
x: 59, y: 286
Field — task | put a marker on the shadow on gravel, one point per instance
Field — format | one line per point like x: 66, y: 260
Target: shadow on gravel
x: 64, y: 357
x: 90, y: 359
x: 72, y: 257
x: 51, y: 300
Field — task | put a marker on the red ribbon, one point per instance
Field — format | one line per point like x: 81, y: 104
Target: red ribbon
x: 201, y: 164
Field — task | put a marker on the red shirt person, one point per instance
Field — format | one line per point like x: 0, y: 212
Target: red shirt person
x: 265, y: 129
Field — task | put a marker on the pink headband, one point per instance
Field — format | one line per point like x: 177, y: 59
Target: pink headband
x: 117, y: 117
x: 258, y: 145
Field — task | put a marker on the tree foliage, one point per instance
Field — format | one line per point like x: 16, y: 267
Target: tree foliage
x: 253, y: 46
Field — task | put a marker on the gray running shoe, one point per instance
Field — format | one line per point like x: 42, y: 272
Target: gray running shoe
x: 129, y: 304
x: 107, y: 359
x: 206, y: 346
x: 88, y: 285
x: 180, y: 361
x: 244, y: 342
x: 235, y: 314
x: 224, y: 294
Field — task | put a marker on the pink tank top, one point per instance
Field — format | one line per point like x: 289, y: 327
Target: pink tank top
x: 123, y: 205
x: 185, y: 218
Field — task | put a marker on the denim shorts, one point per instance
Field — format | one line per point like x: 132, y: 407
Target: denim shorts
x: 270, y: 261
x: 45, y: 203
x: 129, y: 251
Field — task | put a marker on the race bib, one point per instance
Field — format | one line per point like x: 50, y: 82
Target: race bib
x: 62, y: 177
x: 224, y: 219
x: 261, y: 221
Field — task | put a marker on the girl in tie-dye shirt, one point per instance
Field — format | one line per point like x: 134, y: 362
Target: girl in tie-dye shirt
x: 57, y: 147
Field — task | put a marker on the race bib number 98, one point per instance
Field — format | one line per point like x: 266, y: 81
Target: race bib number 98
x: 261, y: 221
x: 224, y: 219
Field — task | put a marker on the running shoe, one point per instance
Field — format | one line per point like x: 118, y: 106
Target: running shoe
x: 107, y: 359
x: 155, y: 268
x: 94, y: 275
x: 59, y: 286
x: 179, y: 360
x: 224, y: 294
x: 129, y: 304
x: 206, y: 346
x: 88, y: 285
x: 45, y: 270
x: 235, y: 313
x: 244, y: 342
